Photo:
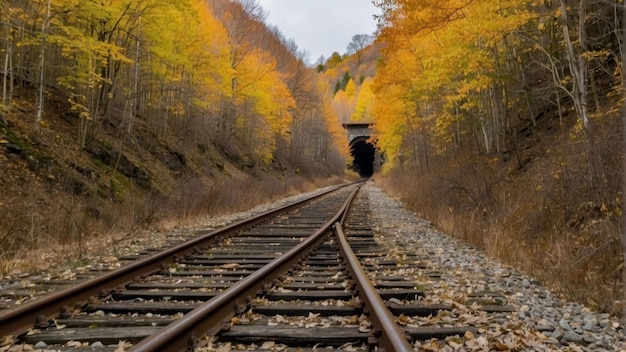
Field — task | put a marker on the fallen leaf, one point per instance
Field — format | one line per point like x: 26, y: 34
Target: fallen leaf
x: 74, y: 344
x: 33, y: 331
x: 57, y: 325
x: 7, y: 340
x: 229, y: 265
x: 313, y: 315
x: 267, y: 345
x: 121, y: 346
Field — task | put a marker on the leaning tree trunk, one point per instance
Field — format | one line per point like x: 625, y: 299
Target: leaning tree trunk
x: 577, y: 64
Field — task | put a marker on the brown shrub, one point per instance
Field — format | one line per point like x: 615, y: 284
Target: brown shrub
x: 557, y: 218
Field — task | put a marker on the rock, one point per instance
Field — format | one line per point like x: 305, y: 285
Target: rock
x: 556, y: 342
x: 500, y: 320
x: 543, y: 328
x: 608, y: 331
x: 537, y: 314
x: 41, y: 345
x: 588, y: 338
x: 604, y: 323
x: 572, y: 337
x: 604, y: 343
x: 97, y: 344
x: 525, y: 283
x: 556, y: 334
x: 565, y: 325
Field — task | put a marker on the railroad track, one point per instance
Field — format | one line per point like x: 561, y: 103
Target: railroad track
x: 312, y: 276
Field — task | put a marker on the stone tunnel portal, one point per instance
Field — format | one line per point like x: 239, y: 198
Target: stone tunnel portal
x: 363, y: 154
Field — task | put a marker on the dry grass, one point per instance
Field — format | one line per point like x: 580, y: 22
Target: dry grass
x: 44, y: 235
x: 548, y: 219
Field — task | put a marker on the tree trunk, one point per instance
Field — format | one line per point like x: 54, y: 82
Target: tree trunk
x: 577, y: 65
x: 7, y: 77
x: 623, y: 58
x: 134, y: 103
x: 39, y: 113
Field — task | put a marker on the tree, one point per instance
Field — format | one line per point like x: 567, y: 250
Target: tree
x: 42, y: 61
x: 333, y: 60
x: 364, y: 105
x: 577, y: 61
x: 195, y: 71
x: 406, y: 18
x: 7, y: 76
x: 358, y: 44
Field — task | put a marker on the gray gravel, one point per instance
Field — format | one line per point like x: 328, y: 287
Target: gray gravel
x: 541, y: 320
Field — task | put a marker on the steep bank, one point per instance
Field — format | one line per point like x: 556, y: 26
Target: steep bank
x: 53, y: 192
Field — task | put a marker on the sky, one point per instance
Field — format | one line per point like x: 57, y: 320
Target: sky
x: 321, y: 27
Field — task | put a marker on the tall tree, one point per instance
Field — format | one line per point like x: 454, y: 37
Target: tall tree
x: 358, y: 43
x: 364, y: 105
x: 7, y: 76
x: 42, y: 61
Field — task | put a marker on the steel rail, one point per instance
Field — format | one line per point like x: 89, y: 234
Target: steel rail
x: 208, y: 317
x: 392, y: 338
x: 19, y: 320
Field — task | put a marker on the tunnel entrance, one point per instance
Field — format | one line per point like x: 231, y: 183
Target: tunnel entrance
x: 363, y: 154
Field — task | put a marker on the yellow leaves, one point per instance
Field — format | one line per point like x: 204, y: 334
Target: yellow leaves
x: 441, y: 59
x: 122, y: 346
x: 350, y: 90
x: 7, y: 340
x: 259, y: 86
x: 364, y: 109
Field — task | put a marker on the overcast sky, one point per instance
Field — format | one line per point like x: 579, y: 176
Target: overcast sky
x: 321, y: 26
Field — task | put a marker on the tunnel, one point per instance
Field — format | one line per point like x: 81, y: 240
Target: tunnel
x: 363, y: 155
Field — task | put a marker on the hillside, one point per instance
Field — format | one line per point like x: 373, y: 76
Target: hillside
x: 52, y: 192
x: 124, y: 115
x: 497, y: 121
x: 500, y: 122
x: 350, y: 77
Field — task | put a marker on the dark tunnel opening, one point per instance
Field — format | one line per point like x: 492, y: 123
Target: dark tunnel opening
x: 363, y: 154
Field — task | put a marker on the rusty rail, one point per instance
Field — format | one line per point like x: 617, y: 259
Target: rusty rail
x: 391, y: 338
x: 17, y: 321
x: 208, y: 317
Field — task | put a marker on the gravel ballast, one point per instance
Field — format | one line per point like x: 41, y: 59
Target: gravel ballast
x: 539, y: 320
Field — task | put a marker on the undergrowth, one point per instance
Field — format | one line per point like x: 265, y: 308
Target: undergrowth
x: 28, y: 231
x: 557, y: 218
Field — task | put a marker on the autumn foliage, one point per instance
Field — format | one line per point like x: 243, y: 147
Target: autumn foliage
x: 200, y: 71
x: 499, y: 120
x: 117, y: 115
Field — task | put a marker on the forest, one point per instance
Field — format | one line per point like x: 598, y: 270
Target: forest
x: 507, y: 131
x: 499, y: 121
x: 120, y: 115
